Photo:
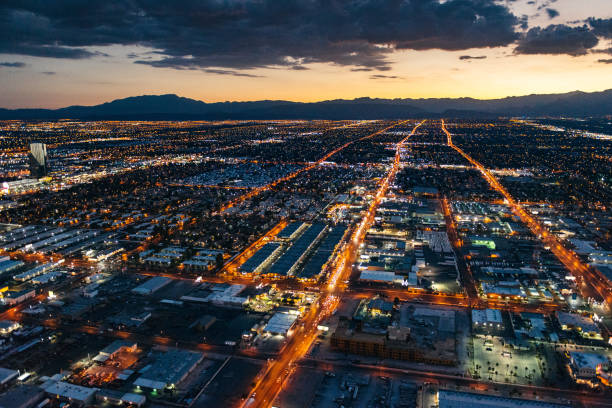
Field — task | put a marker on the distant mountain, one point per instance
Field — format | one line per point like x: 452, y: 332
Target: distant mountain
x: 173, y: 107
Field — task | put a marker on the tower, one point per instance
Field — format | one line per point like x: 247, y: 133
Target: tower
x: 38, y: 160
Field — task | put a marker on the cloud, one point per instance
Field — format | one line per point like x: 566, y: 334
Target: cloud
x: 247, y: 34
x: 12, y: 64
x: 557, y: 39
x: 472, y: 57
x: 230, y: 72
x: 381, y: 76
x: 552, y: 13
x: 48, y: 72
x: 601, y: 27
x: 605, y: 61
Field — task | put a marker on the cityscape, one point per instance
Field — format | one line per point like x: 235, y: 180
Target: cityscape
x: 306, y: 204
x: 307, y: 263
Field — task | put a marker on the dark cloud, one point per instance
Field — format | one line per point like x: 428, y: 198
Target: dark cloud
x: 472, y: 57
x: 12, y: 64
x: 48, y: 73
x: 552, y: 13
x: 605, y: 61
x: 601, y: 27
x: 230, y: 72
x: 380, y: 76
x: 244, y: 34
x: 557, y: 39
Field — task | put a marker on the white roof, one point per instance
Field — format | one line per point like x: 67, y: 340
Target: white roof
x: 587, y: 360
x: 487, y: 316
x: 135, y: 399
x: 280, y: 323
x: 67, y: 390
x: 457, y: 399
x: 382, y: 276
x: 7, y: 375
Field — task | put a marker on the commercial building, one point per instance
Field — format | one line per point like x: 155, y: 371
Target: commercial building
x: 287, y: 263
x: 75, y: 394
x: 14, y: 297
x: 152, y: 285
x: 582, y: 324
x: 168, y: 369
x: 38, y: 160
x: 584, y: 366
x: 6, y: 375
x: 261, y: 259
x: 291, y: 231
x: 314, y: 266
x: 415, y: 333
x: 488, y: 320
x: 281, y: 323
x: 24, y: 396
x: 119, y: 398
x: 20, y: 186
x: 458, y: 399
x: 8, y: 326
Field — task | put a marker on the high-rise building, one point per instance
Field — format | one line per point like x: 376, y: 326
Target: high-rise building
x: 38, y: 160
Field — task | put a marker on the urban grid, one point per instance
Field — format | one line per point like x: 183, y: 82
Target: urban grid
x: 405, y: 263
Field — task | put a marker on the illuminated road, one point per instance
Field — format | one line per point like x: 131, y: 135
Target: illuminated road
x: 458, y: 300
x: 270, y: 383
x: 568, y: 258
x: 256, y: 191
x: 466, y: 274
x: 235, y: 263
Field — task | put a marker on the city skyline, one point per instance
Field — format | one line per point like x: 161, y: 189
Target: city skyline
x: 61, y: 55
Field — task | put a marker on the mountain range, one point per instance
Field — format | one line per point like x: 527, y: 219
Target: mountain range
x: 173, y: 107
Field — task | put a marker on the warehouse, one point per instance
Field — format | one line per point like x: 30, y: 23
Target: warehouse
x: 261, y: 258
x: 74, y: 393
x: 152, y: 285
x: 169, y: 369
x: 281, y: 323
x: 457, y: 399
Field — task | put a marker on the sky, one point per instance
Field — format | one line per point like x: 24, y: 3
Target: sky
x: 73, y: 52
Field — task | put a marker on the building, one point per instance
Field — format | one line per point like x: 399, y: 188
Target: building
x: 584, y: 366
x: 20, y: 186
x: 119, y: 398
x: 281, y: 323
x: 75, y: 394
x: 152, y: 285
x: 24, y: 396
x: 8, y: 326
x: 169, y: 369
x: 38, y: 160
x: 582, y: 324
x: 13, y: 297
x: 488, y: 321
x: 458, y: 399
x: 113, y: 349
x: 7, y: 375
x: 398, y: 345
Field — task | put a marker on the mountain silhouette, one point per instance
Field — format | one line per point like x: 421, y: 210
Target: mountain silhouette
x: 173, y: 107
